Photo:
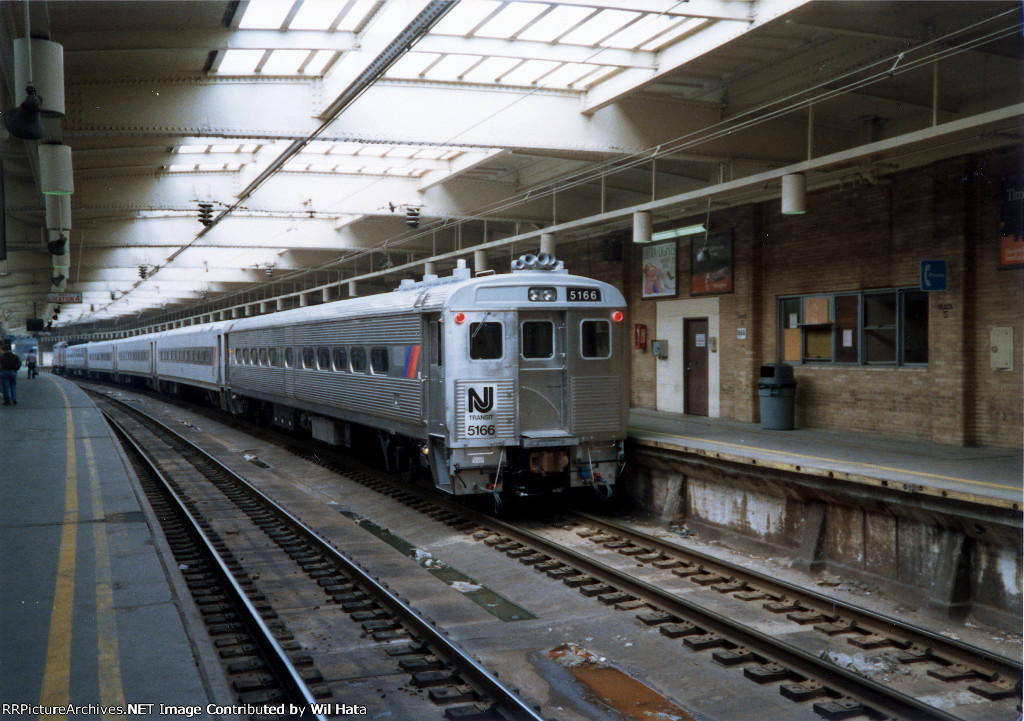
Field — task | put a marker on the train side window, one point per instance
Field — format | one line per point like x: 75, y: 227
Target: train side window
x: 595, y: 339
x: 358, y: 355
x: 323, y: 359
x: 254, y: 357
x: 538, y: 339
x: 289, y: 358
x: 485, y: 341
x: 340, y: 359
x: 308, y: 358
x: 263, y: 356
x: 438, y: 338
x: 274, y: 357
x: 245, y: 356
x: 379, y: 361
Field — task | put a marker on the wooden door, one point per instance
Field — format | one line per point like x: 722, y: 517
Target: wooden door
x: 695, y: 364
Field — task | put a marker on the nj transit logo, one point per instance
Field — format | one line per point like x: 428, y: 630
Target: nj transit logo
x: 480, y: 404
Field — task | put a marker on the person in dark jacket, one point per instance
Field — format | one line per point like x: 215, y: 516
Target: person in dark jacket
x: 9, y: 365
x: 30, y: 363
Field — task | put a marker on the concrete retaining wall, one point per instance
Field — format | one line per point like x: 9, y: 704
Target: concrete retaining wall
x: 943, y: 554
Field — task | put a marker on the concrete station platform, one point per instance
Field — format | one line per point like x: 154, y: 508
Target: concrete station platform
x: 88, y: 615
x: 986, y: 476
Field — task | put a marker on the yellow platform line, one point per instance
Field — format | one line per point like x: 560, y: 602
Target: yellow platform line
x: 57, y: 672
x: 872, y: 466
x: 108, y: 667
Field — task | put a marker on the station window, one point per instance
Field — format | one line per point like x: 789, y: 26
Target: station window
x: 340, y: 359
x: 308, y: 358
x: 358, y: 356
x: 323, y: 359
x: 876, y: 327
x: 538, y: 339
x: 485, y: 341
x: 595, y: 339
x: 379, y: 360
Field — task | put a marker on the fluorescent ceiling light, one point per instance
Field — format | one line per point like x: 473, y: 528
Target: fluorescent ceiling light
x: 678, y: 232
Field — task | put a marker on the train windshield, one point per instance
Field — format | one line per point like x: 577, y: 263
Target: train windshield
x: 485, y: 341
x: 595, y: 339
x: 538, y: 339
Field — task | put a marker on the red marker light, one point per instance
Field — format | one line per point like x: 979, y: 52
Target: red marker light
x: 460, y: 318
x: 617, y: 316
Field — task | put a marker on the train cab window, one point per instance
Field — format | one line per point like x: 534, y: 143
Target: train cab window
x: 323, y: 359
x: 358, y: 356
x: 340, y: 359
x: 379, y: 361
x: 538, y: 339
x: 595, y: 339
x: 274, y: 357
x: 289, y: 358
x: 263, y: 356
x: 485, y: 341
x: 308, y: 358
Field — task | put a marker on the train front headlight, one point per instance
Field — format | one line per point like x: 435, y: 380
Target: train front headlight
x: 542, y: 294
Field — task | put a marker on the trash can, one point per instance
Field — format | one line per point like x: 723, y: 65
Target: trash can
x: 775, y: 389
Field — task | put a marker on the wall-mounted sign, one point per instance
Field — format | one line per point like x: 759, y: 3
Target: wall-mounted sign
x: 659, y: 270
x: 711, y: 263
x: 933, y: 275
x: 1011, y: 223
x: 65, y: 297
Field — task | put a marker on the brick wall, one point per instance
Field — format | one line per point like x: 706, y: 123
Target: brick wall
x: 861, y: 236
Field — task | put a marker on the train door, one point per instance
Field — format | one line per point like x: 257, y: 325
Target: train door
x: 433, y: 362
x: 695, y: 376
x: 542, y: 374
x: 152, y: 362
x: 290, y: 353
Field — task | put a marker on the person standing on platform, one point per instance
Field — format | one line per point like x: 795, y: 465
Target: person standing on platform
x: 9, y: 365
x: 30, y: 363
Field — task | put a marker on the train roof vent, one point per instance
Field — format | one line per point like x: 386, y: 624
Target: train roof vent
x: 542, y: 261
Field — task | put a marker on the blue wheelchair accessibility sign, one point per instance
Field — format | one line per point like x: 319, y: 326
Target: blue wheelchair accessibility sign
x: 933, y: 275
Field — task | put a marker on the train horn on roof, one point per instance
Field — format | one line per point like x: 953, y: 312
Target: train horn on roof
x: 542, y: 261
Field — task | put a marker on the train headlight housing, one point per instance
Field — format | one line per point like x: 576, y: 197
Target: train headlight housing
x: 542, y: 294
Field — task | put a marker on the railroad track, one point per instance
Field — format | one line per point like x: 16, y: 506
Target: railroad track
x: 256, y: 570
x: 712, y: 606
x: 778, y: 636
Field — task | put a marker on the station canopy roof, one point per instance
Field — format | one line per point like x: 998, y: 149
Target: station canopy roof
x: 234, y: 157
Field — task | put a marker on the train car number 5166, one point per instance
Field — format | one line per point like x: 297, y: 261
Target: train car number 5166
x: 592, y: 295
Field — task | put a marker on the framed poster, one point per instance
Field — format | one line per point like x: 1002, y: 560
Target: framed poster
x: 711, y: 269
x: 659, y: 270
x: 1011, y: 223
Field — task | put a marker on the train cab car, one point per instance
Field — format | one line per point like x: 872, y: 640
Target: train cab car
x: 533, y: 366
x: 189, y: 356
x: 58, y: 360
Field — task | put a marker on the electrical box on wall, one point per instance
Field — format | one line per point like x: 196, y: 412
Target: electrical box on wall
x: 1001, y: 348
x: 659, y: 349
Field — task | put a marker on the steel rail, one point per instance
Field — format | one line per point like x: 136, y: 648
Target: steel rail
x: 849, y: 683
x: 915, y: 634
x: 278, y: 658
x: 485, y: 679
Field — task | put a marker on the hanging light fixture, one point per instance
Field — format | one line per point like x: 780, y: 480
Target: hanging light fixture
x: 794, y: 194
x: 642, y: 226
x: 55, y: 175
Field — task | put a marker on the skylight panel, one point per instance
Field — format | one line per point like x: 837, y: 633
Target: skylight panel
x: 513, y: 18
x: 568, y: 74
x: 490, y: 70
x: 355, y: 17
x: 597, y: 28
x: 284, y: 62
x: 529, y: 72
x: 462, y: 18
x: 240, y: 62
x: 321, y: 60
x: 430, y: 153
x: 180, y: 168
x: 401, y: 151
x: 223, y: 148
x: 590, y: 79
x: 317, y: 14
x: 189, y: 149
x: 412, y: 65
x: 643, y: 30
x: 345, y: 148
x: 688, y: 26
x: 450, y: 67
x: 264, y: 15
x: 373, y: 150
x: 556, y: 23
x: 321, y: 167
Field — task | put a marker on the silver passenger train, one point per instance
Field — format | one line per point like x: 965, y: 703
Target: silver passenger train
x: 505, y: 383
